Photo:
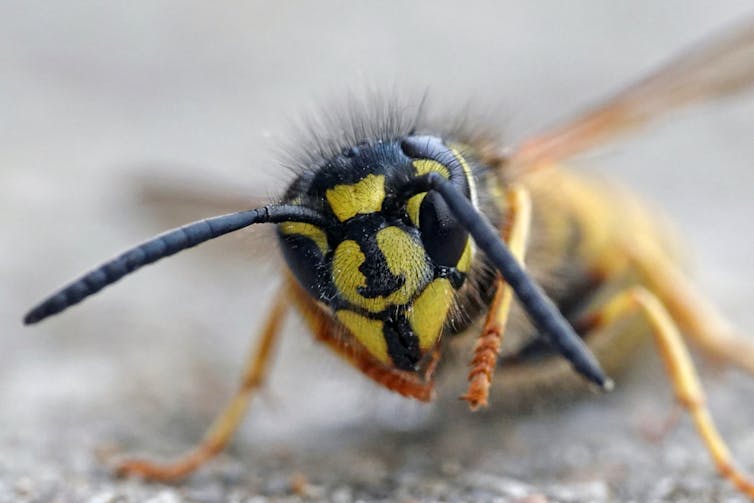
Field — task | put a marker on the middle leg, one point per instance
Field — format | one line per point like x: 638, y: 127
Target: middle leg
x: 487, y: 348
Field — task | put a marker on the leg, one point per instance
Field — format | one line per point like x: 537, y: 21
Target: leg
x: 487, y: 346
x: 698, y: 319
x: 680, y: 369
x: 218, y: 436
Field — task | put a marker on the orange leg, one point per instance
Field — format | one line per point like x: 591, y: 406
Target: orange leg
x: 417, y: 385
x: 680, y: 369
x: 488, y: 345
x: 218, y: 436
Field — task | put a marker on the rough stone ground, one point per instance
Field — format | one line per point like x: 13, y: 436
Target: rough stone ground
x: 94, y: 96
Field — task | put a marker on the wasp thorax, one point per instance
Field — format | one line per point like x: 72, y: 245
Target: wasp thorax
x: 388, y: 262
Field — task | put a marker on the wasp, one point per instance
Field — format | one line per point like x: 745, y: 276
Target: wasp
x: 398, y: 237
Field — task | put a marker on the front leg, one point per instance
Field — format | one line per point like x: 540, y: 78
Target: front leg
x: 221, y: 431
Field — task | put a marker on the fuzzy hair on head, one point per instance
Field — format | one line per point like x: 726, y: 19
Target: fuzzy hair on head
x: 375, y: 117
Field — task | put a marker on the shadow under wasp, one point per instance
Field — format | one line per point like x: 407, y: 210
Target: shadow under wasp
x: 399, y: 236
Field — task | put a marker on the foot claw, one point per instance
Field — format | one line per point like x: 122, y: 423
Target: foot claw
x: 148, y: 471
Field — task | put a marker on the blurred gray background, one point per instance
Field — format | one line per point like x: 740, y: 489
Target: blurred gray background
x: 97, y: 97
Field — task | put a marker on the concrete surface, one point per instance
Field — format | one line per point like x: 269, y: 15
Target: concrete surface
x: 93, y: 96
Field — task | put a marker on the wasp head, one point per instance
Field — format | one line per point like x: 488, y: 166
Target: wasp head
x: 388, y: 260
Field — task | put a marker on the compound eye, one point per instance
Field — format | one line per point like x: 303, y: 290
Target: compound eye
x: 443, y: 237
x: 304, y: 248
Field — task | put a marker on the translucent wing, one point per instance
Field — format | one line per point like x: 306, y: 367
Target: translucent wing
x: 175, y: 200
x: 719, y: 67
x: 181, y: 199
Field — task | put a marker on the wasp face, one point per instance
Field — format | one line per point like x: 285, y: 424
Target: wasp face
x: 389, y: 261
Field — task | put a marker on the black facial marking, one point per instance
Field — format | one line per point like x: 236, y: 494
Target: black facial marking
x: 402, y: 343
x: 380, y: 281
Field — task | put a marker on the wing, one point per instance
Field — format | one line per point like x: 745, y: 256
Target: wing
x: 180, y: 199
x: 719, y: 67
x: 175, y: 200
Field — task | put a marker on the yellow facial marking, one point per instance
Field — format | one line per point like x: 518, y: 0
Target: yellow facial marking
x: 307, y: 230
x: 462, y: 161
x: 367, y: 331
x: 412, y: 207
x: 424, y: 166
x: 464, y: 263
x: 346, y: 261
x: 364, y: 196
x: 429, y: 312
x: 404, y: 256
x: 467, y: 172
